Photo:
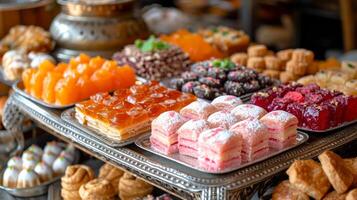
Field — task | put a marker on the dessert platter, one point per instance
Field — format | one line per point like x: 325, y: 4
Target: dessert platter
x: 318, y: 110
x: 223, y: 136
x: 127, y: 113
x: 37, y: 168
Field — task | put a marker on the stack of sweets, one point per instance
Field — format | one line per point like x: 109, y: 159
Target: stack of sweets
x: 164, y: 132
x: 248, y: 111
x: 219, y: 149
x: 198, y: 110
x: 282, y: 128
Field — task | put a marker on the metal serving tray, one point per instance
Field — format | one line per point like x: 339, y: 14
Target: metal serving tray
x: 69, y: 116
x: 144, y: 143
x: 19, y: 88
x: 343, y: 125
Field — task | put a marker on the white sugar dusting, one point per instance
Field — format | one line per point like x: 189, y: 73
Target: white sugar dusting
x: 227, y: 99
x: 222, y: 117
x: 168, y: 119
x: 280, y: 116
x: 195, y: 126
x: 248, y: 111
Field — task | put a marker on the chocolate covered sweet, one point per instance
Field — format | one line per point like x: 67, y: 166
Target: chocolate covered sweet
x: 154, y: 59
x: 214, y: 78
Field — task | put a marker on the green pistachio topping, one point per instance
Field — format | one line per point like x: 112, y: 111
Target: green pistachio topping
x: 151, y: 44
x: 223, y: 63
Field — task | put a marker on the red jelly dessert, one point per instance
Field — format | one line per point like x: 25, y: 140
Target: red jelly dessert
x: 352, y: 109
x: 262, y: 99
x: 294, y: 96
x: 298, y: 110
x: 317, y: 117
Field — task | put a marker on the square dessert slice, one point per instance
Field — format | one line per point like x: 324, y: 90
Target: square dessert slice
x: 164, y: 132
x: 308, y: 177
x: 255, y: 138
x: 188, y: 135
x: 282, y: 127
x: 219, y: 149
x: 222, y: 119
x: 226, y: 102
x: 248, y: 111
x: 198, y: 110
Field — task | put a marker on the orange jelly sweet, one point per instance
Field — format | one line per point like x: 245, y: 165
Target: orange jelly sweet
x: 139, y: 103
x: 77, y: 80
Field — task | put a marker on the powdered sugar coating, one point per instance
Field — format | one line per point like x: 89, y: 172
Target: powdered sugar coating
x: 198, y: 110
x: 248, y: 111
x: 249, y: 127
x: 281, y: 117
x: 226, y: 102
x: 194, y: 126
x: 214, y: 136
x: 221, y: 119
x: 167, y: 120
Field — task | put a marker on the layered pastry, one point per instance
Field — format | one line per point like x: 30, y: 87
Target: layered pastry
x: 286, y: 191
x: 29, y: 162
x: 112, y: 174
x: 248, y: 111
x: 219, y: 149
x: 255, y: 139
x: 221, y: 119
x: 188, y: 135
x: 154, y: 59
x: 131, y: 187
x: 44, y: 172
x: 97, y: 189
x: 35, y: 150
x: 27, y: 178
x: 75, y: 176
x: 15, y: 162
x: 282, y: 128
x: 315, y: 108
x: 10, y: 177
x: 225, y: 39
x: 352, y: 195
x: 226, y: 102
x: 308, y: 177
x: 59, y: 165
x: 193, y: 44
x: 164, y: 132
x: 213, y: 78
x: 351, y: 164
x: 49, y: 158
x: 128, y: 112
x: 83, y: 76
x: 29, y: 155
x: 53, y: 147
x: 198, y: 110
x: 14, y: 62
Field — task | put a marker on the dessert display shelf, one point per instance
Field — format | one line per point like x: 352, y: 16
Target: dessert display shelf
x: 165, y: 174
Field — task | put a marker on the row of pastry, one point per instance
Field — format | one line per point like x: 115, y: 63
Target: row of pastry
x: 308, y: 178
x: 37, y: 166
x: 223, y: 134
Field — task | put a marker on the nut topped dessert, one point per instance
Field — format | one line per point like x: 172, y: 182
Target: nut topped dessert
x: 154, y: 59
x: 213, y: 78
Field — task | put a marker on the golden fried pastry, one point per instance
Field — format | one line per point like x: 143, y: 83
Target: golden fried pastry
x: 240, y: 58
x: 305, y: 80
x: 131, y: 187
x: 287, y: 77
x: 312, y: 68
x: 297, y: 68
x: 256, y: 63
x: 336, y: 171
x: 97, y: 189
x: 334, y: 196
x: 350, y: 67
x: 350, y: 87
x: 308, y: 176
x: 286, y: 191
x: 257, y: 50
x: 339, y: 78
x: 112, y: 174
x: 272, y: 73
x: 75, y: 176
x: 302, y: 55
x: 285, y: 55
x: 272, y: 62
x: 352, y: 195
x: 351, y: 164
x: 270, y: 53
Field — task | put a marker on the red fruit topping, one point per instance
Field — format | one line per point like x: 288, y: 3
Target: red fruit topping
x: 261, y: 99
x: 298, y: 110
x: 317, y: 117
x: 294, y: 96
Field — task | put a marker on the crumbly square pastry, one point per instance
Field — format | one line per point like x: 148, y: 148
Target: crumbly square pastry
x: 308, y: 176
x: 352, y: 195
x: 286, y: 191
x: 336, y: 171
x: 334, y: 196
x: 351, y: 164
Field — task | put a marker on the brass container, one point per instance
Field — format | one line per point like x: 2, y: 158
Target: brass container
x: 95, y: 28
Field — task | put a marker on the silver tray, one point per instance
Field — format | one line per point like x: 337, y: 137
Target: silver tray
x: 69, y: 116
x: 144, y: 143
x: 18, y: 87
x: 329, y: 129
